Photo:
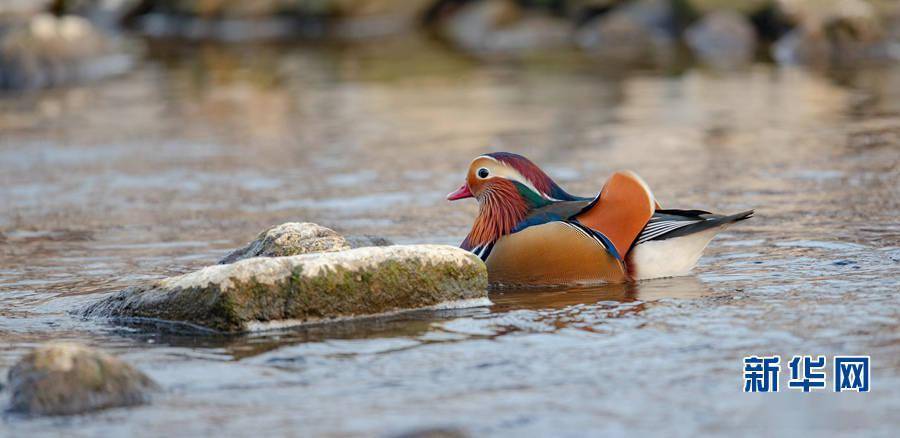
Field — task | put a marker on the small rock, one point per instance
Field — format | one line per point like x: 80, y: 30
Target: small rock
x: 723, y: 39
x: 66, y: 378
x: 501, y: 26
x: 269, y: 292
x: 288, y: 239
x: 631, y: 32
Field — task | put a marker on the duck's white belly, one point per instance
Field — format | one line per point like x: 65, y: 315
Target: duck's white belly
x: 670, y: 257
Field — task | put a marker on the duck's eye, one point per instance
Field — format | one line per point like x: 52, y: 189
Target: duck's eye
x: 483, y: 173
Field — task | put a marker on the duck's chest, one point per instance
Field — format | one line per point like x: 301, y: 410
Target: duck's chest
x: 552, y: 254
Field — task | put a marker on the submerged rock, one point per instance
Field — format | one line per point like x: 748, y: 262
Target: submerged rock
x: 66, y: 378
x: 268, y: 292
x: 46, y: 51
x: 288, y: 239
x: 723, y: 39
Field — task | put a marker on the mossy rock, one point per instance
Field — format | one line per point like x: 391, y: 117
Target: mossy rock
x: 67, y: 378
x: 288, y: 239
x: 270, y: 292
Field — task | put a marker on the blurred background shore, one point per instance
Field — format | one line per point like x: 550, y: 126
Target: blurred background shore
x: 46, y: 43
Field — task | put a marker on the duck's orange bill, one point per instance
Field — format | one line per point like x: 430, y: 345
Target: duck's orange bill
x: 461, y: 193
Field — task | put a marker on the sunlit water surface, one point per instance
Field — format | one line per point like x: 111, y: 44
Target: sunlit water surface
x: 164, y: 170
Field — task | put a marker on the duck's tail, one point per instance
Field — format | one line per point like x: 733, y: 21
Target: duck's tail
x: 668, y: 224
x: 674, y: 240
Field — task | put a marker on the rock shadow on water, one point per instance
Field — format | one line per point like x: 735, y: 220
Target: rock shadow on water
x: 411, y: 324
x: 408, y: 324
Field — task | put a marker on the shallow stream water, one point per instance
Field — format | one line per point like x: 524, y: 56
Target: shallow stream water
x: 166, y: 169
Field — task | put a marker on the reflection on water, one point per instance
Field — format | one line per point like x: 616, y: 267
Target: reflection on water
x: 166, y: 169
x: 557, y: 298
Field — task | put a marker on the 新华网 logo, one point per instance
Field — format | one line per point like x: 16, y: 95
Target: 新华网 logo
x: 851, y: 373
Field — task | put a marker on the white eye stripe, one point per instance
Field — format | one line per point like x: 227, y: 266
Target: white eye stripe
x: 508, y: 172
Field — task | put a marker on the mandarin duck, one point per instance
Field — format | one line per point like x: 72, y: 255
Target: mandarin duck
x: 529, y: 231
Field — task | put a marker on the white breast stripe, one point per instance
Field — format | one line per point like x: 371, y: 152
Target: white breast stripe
x: 579, y: 229
x: 483, y: 251
x: 590, y: 235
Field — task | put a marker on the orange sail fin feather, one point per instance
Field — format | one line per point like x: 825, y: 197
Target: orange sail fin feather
x: 624, y: 207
